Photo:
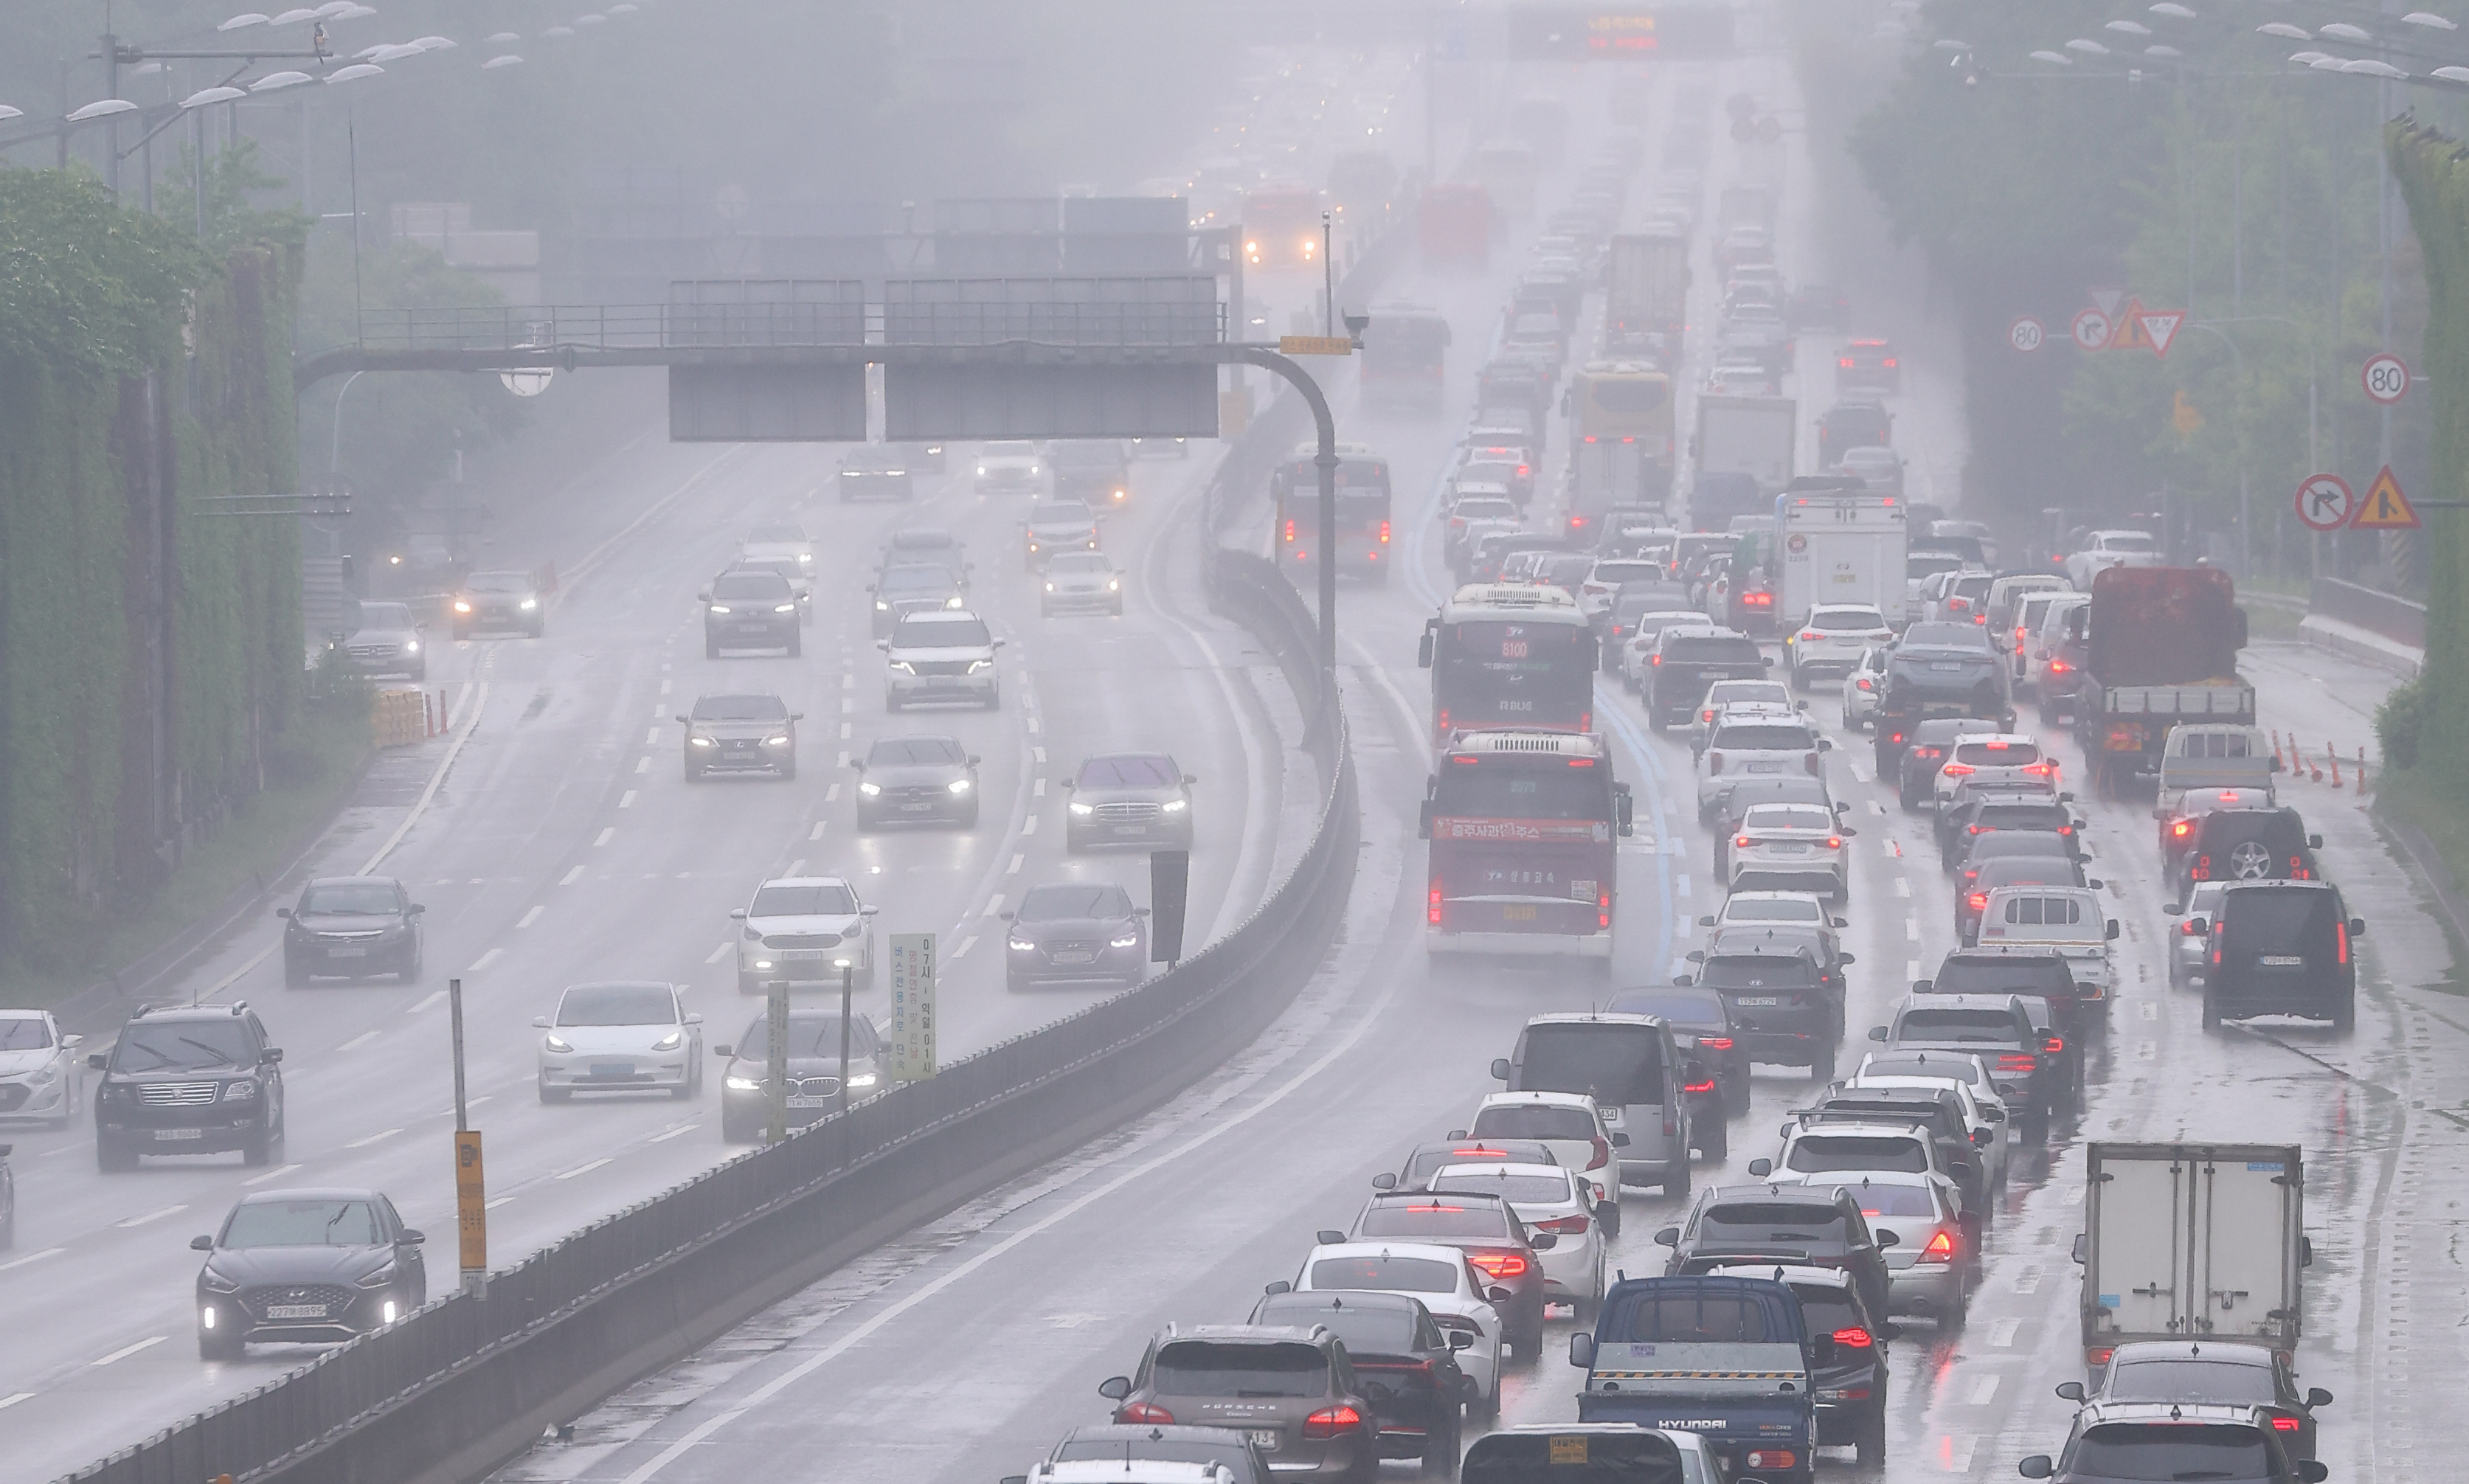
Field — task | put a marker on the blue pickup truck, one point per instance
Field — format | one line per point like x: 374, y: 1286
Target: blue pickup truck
x: 1725, y: 1359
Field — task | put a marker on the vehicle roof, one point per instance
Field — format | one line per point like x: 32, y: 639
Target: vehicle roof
x: 1246, y: 1333
x: 1931, y: 999
x: 1494, y: 1167
x: 1505, y: 743
x: 944, y: 616
x: 1771, y: 1190
x: 1593, y: 1018
x: 1383, y: 1248
x: 801, y: 880
x: 1144, y: 1471
x: 2218, y: 1413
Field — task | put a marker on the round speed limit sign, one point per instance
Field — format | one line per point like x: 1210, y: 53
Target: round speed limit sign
x: 2386, y: 376
x: 2026, y: 333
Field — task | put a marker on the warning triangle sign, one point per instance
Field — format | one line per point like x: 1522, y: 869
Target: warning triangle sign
x: 2132, y: 334
x: 2385, y: 507
x: 2160, y: 327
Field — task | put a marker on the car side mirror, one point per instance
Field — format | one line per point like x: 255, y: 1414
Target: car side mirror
x: 1923, y: 986
x: 2314, y: 842
x: 1825, y: 744
x: 974, y: 760
x: 1706, y: 921
x: 415, y: 909
x: 1840, y: 922
x: 1696, y: 955
x: 2110, y: 931
x: 1683, y: 981
x: 1385, y: 1181
x: 1667, y: 1237
x: 1620, y: 1140
x: 703, y: 597
x: 2070, y: 1391
x: 1459, y: 1339
x: 884, y: 645
x: 271, y: 1055
x: 202, y: 1243
x: 1876, y: 1033
x: 2313, y: 1471
x: 724, y: 1051
x: 867, y: 912
x: 1139, y: 911
x: 1113, y: 1388
x: 796, y: 716
x: 1068, y: 785
x: 1496, y: 1295
x: 2094, y: 882
x: 412, y: 1237
x: 283, y: 911
x: 693, y: 1020
x: 2202, y: 925
x: 1543, y: 1240
x: 1500, y: 1069
x: 1759, y: 1169
x: 1004, y: 916
x: 94, y: 1059
x: 1581, y: 1350
x: 2357, y: 927
x: 1766, y: 661
x: 2082, y: 1247
x: 1846, y: 830
x: 1886, y: 1239
x: 71, y: 1041
x: 2318, y: 1397
x: 2305, y: 1251
x: 2174, y: 909
x: 541, y: 1021
x: 2035, y: 1467
x: 1847, y: 958
x: 739, y: 913
x: 1328, y: 1237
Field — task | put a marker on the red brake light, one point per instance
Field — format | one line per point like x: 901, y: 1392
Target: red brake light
x: 1601, y: 1156
x: 2059, y: 666
x: 2182, y: 827
x: 2016, y: 1061
x: 1567, y: 1225
x: 2340, y: 931
x: 1716, y: 1042
x: 1384, y: 533
x: 1772, y: 1458
x: 1290, y: 531
x: 1145, y: 1413
x: 2057, y: 1046
x: 2187, y: 929
x: 1329, y: 1422
x: 1977, y: 901
x: 1834, y: 842
x: 2285, y: 1425
x: 1854, y: 1336
x: 1889, y: 363
x: 1742, y: 842
x: 1708, y: 1086
x: 1940, y: 1249
x: 1500, y: 1264
x: 1997, y: 746
x: 2098, y: 1355
x: 1707, y: 715
x: 1432, y: 911
x: 1957, y: 769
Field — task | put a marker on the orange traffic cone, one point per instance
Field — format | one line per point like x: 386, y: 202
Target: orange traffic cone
x: 2314, y: 770
x: 2335, y: 756
x: 2279, y: 763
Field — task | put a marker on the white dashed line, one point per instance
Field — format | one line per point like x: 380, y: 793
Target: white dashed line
x: 681, y: 1128
x: 661, y: 712
x: 568, y: 1175
x: 817, y: 833
x: 831, y: 795
x: 125, y: 1351
x: 1912, y: 928
x: 32, y: 1257
x: 962, y: 947
x: 1984, y: 1392
x: 2001, y: 1335
x: 1037, y: 789
x: 651, y: 737
x: 626, y: 800
x: 572, y: 877
x: 532, y: 916
x: 14, y: 1397
x: 378, y: 1137
x: 491, y: 1205
x: 1903, y: 886
x: 275, y: 1174
x: 151, y: 1216
x: 606, y: 835
x: 1039, y: 753
x: 485, y: 960
x: 1014, y: 868
x: 358, y: 1042
x: 718, y: 953
x: 994, y: 904
x: 796, y: 867
x: 642, y: 765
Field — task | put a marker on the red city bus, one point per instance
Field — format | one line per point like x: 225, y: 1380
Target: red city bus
x: 1362, y: 509
x: 1511, y: 654
x: 1524, y: 830
x: 1281, y: 227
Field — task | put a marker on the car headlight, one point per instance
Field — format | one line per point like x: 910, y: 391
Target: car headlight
x: 1127, y: 941
x: 411, y: 647
x: 952, y: 601
x: 241, y: 1091
x: 1033, y: 546
x: 381, y: 1277
x: 904, y: 667
x: 737, y: 1083
x: 805, y: 556
x: 977, y: 665
x: 775, y: 741
x: 1078, y: 808
x: 960, y: 785
x: 670, y: 1042
x: 881, y: 606
x: 897, y: 473
x: 699, y: 741
x: 762, y: 963
x: 462, y: 606
x: 558, y: 1043
x: 1020, y: 946
x: 1049, y: 588
x: 1032, y: 469
x: 45, y: 1073
x: 862, y: 1079
x: 869, y: 789
x: 217, y: 1282
x: 785, y: 607
x: 530, y: 603
x: 1176, y: 806
x: 1112, y: 586
x: 718, y: 607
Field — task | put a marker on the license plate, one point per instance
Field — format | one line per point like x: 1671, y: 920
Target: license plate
x: 1130, y: 829
x: 1766, y: 768
x: 347, y: 953
x: 179, y: 1133
x: 802, y: 1101
x: 613, y: 1068
x: 1786, y: 848
x: 2281, y: 961
x: 1076, y: 956
x: 1266, y: 1441
x: 1946, y: 665
x: 1517, y: 914
x: 1756, y: 1001
x: 915, y: 808
x: 295, y: 1311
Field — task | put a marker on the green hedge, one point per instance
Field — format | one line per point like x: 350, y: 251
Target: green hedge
x: 139, y: 372
x: 2433, y: 174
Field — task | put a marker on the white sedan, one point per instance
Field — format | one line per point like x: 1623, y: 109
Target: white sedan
x: 1790, y: 846
x: 1459, y: 1297
x: 39, y: 1076
x: 620, y: 1037
x: 1832, y: 640
x: 1556, y: 1208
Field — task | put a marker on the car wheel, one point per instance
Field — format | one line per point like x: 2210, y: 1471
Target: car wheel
x: 1016, y: 983
x: 550, y: 1094
x: 1678, y: 1185
x: 1654, y: 721
x: 1869, y: 1441
x: 969, y: 821
x: 789, y: 770
x: 261, y: 1150
x: 691, y: 1089
x: 111, y: 1157
x: 890, y: 701
x: 1118, y: 608
x: 694, y: 774
x: 2212, y: 1011
x: 412, y: 964
x: 419, y: 674
x: 539, y: 626
x: 1441, y: 1451
x: 2344, y: 1015
x: 748, y: 984
x: 711, y: 648
x: 212, y: 1346
x: 1823, y: 1069
x: 732, y: 1131
x: 1717, y: 1146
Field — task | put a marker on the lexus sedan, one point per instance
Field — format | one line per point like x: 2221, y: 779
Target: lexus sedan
x: 620, y: 1037
x: 315, y: 1266
x: 740, y: 734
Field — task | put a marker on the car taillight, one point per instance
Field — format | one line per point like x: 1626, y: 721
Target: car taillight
x: 1863, y: 683
x: 1713, y: 764
x: 1889, y: 363
x: 2056, y: 1046
x: 1566, y: 1226
x: 1742, y: 842
x: 1716, y: 1042
x: 2059, y: 666
x: 1834, y: 842
x: 1432, y: 911
x: 2285, y: 1425
x: 2098, y: 1355
x: 1977, y: 901
x: 1898, y: 737
x: 1808, y: 635
x: 1980, y: 618
x: 1603, y: 1154
x: 1707, y: 715
x: 1331, y: 1422
x: 1500, y: 1264
x: 1940, y: 1249
x: 1145, y: 1412
x: 1955, y: 770
x: 2341, y: 932
x: 2016, y: 1061
x: 1384, y: 533
x: 2187, y: 929
x: 2182, y: 827
x: 1854, y: 1336
x: 1290, y: 531
x: 1845, y: 363
x: 1758, y: 599
x: 2042, y: 769
x: 1772, y: 1458
x: 1699, y: 1088
x: 1602, y: 910
x: 1811, y: 762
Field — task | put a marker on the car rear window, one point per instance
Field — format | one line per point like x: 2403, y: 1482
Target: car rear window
x: 2037, y: 911
x: 1987, y: 1027
x: 1690, y: 1007
x: 1365, y: 1332
x: 1787, y: 816
x: 810, y: 899
x: 913, y: 752
x: 1607, y: 1061
x: 1858, y: 620
x: 1533, y: 1190
x: 1961, y: 636
x: 1787, y: 908
x: 2125, y: 541
x: 1772, y: 1220
x: 1621, y: 573
x: 1761, y: 737
x: 618, y: 1004
x: 1129, y: 773
x: 1760, y: 972
x: 1205, y: 1368
x: 1419, y: 1168
x: 2174, y: 1450
x: 1826, y: 1311
x: 1896, y: 1200
x: 1732, y: 692
x: 1996, y: 753
x: 1684, y: 1318
x: 1712, y: 649
x: 2002, y: 975
x: 1815, y: 1154
x: 1385, y: 1273
x: 1434, y: 1218
x: 2278, y: 921
x: 1532, y: 1121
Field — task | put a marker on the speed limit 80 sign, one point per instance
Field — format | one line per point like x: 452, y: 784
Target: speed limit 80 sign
x: 2386, y: 378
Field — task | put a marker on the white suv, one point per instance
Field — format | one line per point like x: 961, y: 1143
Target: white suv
x: 2110, y: 549
x: 1747, y: 742
x: 1832, y: 639
x: 1995, y: 760
x: 940, y: 657
x: 802, y: 928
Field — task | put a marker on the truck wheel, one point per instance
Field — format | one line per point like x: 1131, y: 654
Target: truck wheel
x: 1677, y: 1185
x: 1869, y: 1440
x: 2345, y: 1015
x: 1717, y: 1145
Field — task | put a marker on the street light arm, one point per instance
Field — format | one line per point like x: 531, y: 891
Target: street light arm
x: 1267, y: 359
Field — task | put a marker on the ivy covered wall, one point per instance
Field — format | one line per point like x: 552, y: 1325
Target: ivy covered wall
x: 2433, y: 174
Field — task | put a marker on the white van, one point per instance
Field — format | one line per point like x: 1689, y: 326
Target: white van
x: 2211, y: 755
x: 2065, y: 918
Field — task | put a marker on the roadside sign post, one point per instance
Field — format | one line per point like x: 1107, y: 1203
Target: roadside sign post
x: 2385, y: 507
x: 848, y: 979
x: 2386, y: 378
x: 470, y: 1180
x: 2089, y: 330
x: 913, y: 1006
x: 2026, y: 333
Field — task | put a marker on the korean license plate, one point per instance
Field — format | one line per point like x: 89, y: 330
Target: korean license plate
x: 1766, y: 768
x: 295, y: 1311
x: 1130, y: 829
x: 613, y: 1068
x: 1265, y: 1439
x: 1076, y: 956
x: 915, y: 808
x: 2281, y: 961
x: 1514, y: 914
x: 800, y: 1100
x: 174, y: 1134
x: 1756, y: 1001
x: 347, y: 953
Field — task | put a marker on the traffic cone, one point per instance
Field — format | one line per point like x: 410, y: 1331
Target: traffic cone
x: 2279, y: 763
x: 2334, y: 754
x: 2314, y: 770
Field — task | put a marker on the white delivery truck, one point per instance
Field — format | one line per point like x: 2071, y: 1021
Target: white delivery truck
x: 2201, y: 1242
x: 1839, y: 547
x: 1747, y: 435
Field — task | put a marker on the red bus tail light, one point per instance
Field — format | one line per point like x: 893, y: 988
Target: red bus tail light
x: 1604, y: 911
x: 1977, y: 901
x: 1772, y: 1458
x: 1700, y: 1089
x: 1432, y: 912
x: 1290, y: 533
x: 1384, y: 533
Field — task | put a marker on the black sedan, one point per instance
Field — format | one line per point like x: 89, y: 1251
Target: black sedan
x: 315, y: 1266
x: 740, y: 734
x: 1701, y: 1024
x: 916, y: 781
x: 1075, y: 931
x: 814, y: 1081
x: 748, y: 609
x: 1407, y: 1362
x: 350, y: 926
x: 1128, y: 798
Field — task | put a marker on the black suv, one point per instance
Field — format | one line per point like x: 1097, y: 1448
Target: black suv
x: 350, y: 926
x: 749, y: 608
x: 189, y: 1080
x: 314, y: 1265
x: 1405, y: 1363
x: 2282, y: 948
x: 1292, y: 1389
x: 1783, y: 1011
x: 1686, y: 661
x: 1820, y: 1225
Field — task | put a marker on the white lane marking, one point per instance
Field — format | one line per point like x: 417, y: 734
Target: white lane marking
x: 13, y: 1398
x: 532, y: 916
x: 1903, y: 886
x: 491, y: 1205
x: 2028, y: 1281
x: 1911, y: 969
x: 660, y: 711
x: 718, y: 953
x: 681, y: 1128
x: 484, y: 961
x: 275, y: 1174
x: 1984, y: 1392
x: 796, y: 867
x: 848, y: 683
x: 2147, y: 1051
x: 572, y: 877
x: 848, y: 705
x: 1955, y: 1451
x: 125, y: 1351
x: 1912, y: 928
x: 1037, y: 789
x: 378, y: 1137
x: 1680, y: 885
x: 1029, y: 826
x: 994, y: 904
x: 606, y: 833
x: 652, y: 738
x: 1039, y: 753
x: 568, y: 1175
x: 358, y: 1042
x: 844, y: 731
x: 963, y: 948
x: 831, y: 795
x: 2001, y: 1335
x: 1014, y: 868
x: 626, y: 800
x: 1033, y: 726
x: 817, y: 833
x: 859, y: 1334
x: 32, y: 1257
x: 642, y: 765
x: 153, y: 1215
x: 664, y: 685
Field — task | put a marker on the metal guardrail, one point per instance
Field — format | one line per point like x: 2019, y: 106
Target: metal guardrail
x: 2388, y: 614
